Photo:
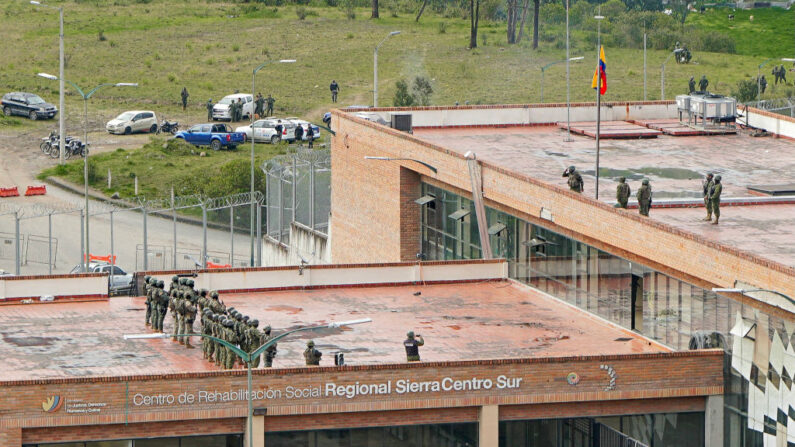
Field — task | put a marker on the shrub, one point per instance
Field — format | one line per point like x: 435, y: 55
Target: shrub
x: 235, y: 47
x: 421, y: 90
x: 300, y: 12
x: 441, y: 27
x: 101, y: 36
x: 746, y: 91
x: 402, y: 96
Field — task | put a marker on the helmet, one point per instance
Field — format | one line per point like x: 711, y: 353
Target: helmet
x: 161, y: 284
x: 645, y: 181
x: 182, y: 281
x: 310, y: 344
x: 254, y: 322
x: 214, y: 294
x: 572, y: 168
x: 266, y: 329
x: 203, y: 292
x: 174, y: 278
x: 190, y: 283
x: 709, y: 175
x: 245, y: 318
x: 147, y: 278
x: 717, y: 178
x: 410, y: 334
x: 622, y: 179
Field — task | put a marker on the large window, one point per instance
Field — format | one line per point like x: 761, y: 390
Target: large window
x: 438, y: 435
x: 185, y: 441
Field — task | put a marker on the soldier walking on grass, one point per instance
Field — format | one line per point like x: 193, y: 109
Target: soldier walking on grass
x: 260, y: 105
x: 335, y: 89
x: 622, y: 193
x: 184, y: 96
x: 644, y: 198
x: 209, y: 106
x: 706, y: 189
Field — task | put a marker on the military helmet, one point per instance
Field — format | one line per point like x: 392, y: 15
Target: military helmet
x: 717, y: 178
x: 266, y: 329
x: 203, y: 292
x: 231, y: 309
x: 214, y: 294
x: 410, y: 334
x: 174, y: 278
x: 645, y: 181
x: 254, y: 322
x: 245, y: 317
x: 190, y: 283
x: 709, y: 174
x: 622, y: 179
x: 310, y: 344
x: 147, y: 278
x: 182, y: 281
x: 572, y: 168
x: 228, y: 323
x: 161, y: 284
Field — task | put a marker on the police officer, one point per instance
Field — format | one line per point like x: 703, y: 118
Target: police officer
x: 312, y: 355
x: 209, y: 106
x: 714, y: 199
x: 299, y: 135
x: 412, y: 345
x: 706, y: 187
x: 575, y: 179
x: 310, y: 136
x: 622, y: 193
x: 644, y: 198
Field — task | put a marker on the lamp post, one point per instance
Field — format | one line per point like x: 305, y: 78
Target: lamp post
x: 375, y: 67
x: 662, y: 76
x: 61, y: 130
x: 251, y: 223
x: 369, y: 157
x: 86, y: 97
x: 249, y: 357
x: 544, y: 68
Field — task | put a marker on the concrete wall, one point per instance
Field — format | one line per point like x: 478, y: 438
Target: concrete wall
x: 84, y: 285
x: 526, y: 114
x: 781, y: 125
x: 306, y: 244
x: 251, y: 279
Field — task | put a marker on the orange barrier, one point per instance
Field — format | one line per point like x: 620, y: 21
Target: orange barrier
x: 36, y: 190
x: 101, y: 258
x: 9, y: 192
x: 211, y: 265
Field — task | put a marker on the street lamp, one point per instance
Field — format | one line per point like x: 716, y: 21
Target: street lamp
x: 375, y: 67
x: 86, y: 97
x: 544, y: 68
x: 61, y: 124
x: 251, y: 223
x: 249, y: 357
x: 368, y: 157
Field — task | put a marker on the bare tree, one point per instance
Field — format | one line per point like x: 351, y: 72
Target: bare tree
x: 517, y: 13
x: 422, y: 9
x: 375, y: 10
x: 536, y: 7
x: 474, y: 17
x: 525, y: 7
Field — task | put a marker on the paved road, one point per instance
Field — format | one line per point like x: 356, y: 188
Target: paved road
x: 20, y: 162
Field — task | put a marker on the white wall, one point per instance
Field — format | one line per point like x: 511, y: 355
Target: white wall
x: 56, y: 285
x: 771, y: 122
x: 305, y: 243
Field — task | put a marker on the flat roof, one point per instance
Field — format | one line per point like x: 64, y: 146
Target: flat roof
x: 462, y: 321
x: 674, y: 164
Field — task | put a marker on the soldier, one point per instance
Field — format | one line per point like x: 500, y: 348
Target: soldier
x: 239, y: 109
x: 260, y: 105
x: 205, y: 317
x: 231, y: 338
x: 201, y: 300
x: 182, y: 303
x: 783, y: 73
x: 162, y: 306
x: 762, y: 83
x: 691, y: 85
x: 174, y: 284
x: 706, y: 188
x: 209, y: 106
x: 148, y: 294
x: 622, y: 193
x: 190, y: 316
x: 703, y: 83
x: 310, y: 136
x: 215, y: 350
x: 270, y: 353
x: 644, y: 198
x: 335, y: 88
x: 575, y: 179
x: 184, y: 96
x: 255, y: 340
x: 269, y: 101
x: 412, y: 346
x: 312, y: 355
x: 714, y: 199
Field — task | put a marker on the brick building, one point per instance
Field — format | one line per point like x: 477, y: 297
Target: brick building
x: 503, y: 364
x: 399, y: 196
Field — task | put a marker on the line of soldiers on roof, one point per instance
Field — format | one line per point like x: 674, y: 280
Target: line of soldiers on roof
x: 712, y: 188
x: 218, y: 321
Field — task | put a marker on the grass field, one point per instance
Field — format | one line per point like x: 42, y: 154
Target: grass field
x: 212, y: 47
x: 769, y: 34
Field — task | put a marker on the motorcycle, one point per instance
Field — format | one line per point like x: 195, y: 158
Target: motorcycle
x: 171, y: 128
x: 73, y: 147
x: 51, y: 142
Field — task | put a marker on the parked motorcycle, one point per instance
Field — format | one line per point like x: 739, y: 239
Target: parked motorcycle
x: 52, y: 141
x: 73, y: 147
x: 171, y: 128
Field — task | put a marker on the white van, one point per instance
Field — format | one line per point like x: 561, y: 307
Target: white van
x: 221, y: 109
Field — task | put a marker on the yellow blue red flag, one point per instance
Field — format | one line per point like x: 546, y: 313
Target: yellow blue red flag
x: 600, y: 72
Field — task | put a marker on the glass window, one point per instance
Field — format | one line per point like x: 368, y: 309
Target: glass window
x: 158, y: 442
x: 109, y: 444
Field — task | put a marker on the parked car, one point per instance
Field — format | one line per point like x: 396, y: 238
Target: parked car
x: 27, y: 104
x: 265, y: 130
x: 305, y: 124
x: 119, y: 281
x: 133, y: 121
x: 221, y: 110
x: 216, y: 136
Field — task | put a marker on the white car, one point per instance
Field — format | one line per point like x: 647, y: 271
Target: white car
x: 265, y: 130
x: 305, y: 125
x: 132, y: 122
x: 221, y: 110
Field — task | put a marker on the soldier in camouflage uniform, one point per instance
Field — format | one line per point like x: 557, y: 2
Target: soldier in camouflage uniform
x: 148, y: 294
x: 215, y: 349
x: 190, y: 316
x: 644, y: 198
x: 231, y: 338
x: 270, y: 353
x: 312, y: 355
x: 706, y: 187
x: 714, y: 199
x: 172, y: 306
x: 622, y: 193
x: 162, y: 306
x: 575, y: 179
x: 255, y: 340
x: 205, y: 320
x: 269, y: 102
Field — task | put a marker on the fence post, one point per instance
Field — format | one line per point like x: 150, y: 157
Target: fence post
x: 49, y: 243
x: 109, y: 178
x: 259, y: 235
x: 112, y: 251
x: 146, y: 247
x: 83, y: 257
x: 232, y: 236
x: 174, y: 216
x: 281, y: 202
x: 204, y: 235
x: 16, y: 246
x: 312, y: 194
x: 295, y: 183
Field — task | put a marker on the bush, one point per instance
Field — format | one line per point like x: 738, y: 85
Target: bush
x: 300, y: 12
x: 421, y: 91
x: 746, y: 91
x: 101, y: 36
x: 441, y: 27
x: 402, y: 96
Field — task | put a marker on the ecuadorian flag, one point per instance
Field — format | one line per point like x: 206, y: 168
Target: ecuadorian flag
x: 601, y: 71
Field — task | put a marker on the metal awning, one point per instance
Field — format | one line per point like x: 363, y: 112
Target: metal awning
x: 460, y: 214
x: 425, y: 200
x: 496, y: 228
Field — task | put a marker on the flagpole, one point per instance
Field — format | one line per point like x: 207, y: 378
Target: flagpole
x: 598, y: 94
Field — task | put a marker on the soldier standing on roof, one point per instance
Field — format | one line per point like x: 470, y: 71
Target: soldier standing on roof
x: 703, y: 83
x: 714, y: 199
x: 644, y: 198
x: 412, y: 345
x: 575, y: 179
x: 706, y: 188
x: 622, y: 193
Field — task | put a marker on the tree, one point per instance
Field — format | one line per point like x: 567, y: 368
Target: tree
x: 421, y: 91
x: 536, y: 7
x: 422, y: 9
x: 746, y: 91
x: 402, y: 96
x: 375, y: 10
x: 517, y: 13
x: 474, y: 16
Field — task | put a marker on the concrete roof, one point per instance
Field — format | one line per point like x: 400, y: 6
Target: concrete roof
x: 464, y: 321
x: 675, y: 166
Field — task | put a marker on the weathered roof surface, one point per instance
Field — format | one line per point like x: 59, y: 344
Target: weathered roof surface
x: 465, y: 321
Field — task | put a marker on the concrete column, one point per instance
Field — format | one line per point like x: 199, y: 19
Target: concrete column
x: 489, y: 426
x: 258, y: 427
x: 713, y: 422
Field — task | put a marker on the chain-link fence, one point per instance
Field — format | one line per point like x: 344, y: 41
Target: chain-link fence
x: 298, y: 190
x: 171, y: 233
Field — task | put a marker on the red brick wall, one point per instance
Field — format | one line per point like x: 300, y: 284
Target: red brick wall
x: 131, y: 431
x: 652, y: 241
x: 10, y: 436
x: 410, y: 188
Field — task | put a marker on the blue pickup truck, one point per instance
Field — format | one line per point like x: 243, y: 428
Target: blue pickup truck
x: 216, y: 136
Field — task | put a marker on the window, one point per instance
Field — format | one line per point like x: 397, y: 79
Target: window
x: 206, y: 128
x: 148, y: 115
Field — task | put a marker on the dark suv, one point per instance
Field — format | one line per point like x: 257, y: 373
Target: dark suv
x: 27, y: 104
